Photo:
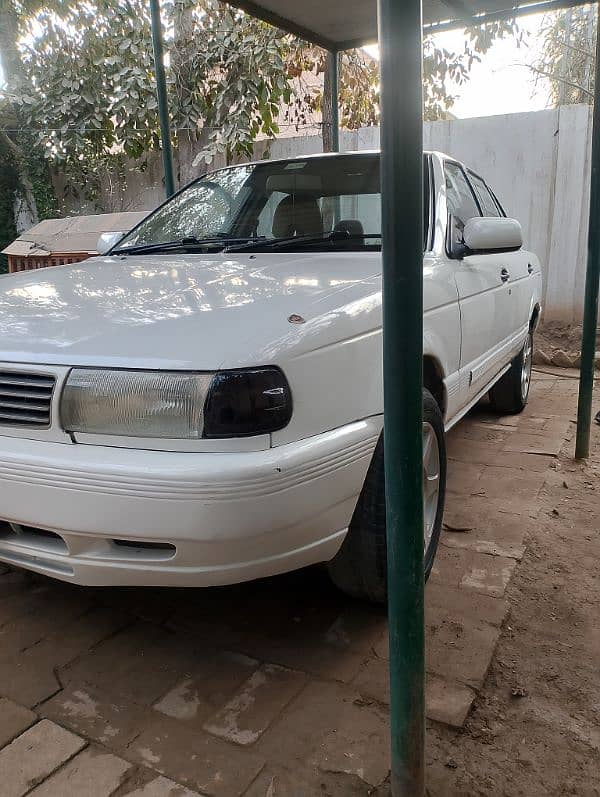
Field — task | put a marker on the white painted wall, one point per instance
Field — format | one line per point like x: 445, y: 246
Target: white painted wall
x: 538, y: 164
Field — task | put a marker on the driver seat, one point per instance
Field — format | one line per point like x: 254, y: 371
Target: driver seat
x: 297, y: 215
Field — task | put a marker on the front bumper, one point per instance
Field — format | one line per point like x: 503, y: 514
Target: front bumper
x: 200, y: 519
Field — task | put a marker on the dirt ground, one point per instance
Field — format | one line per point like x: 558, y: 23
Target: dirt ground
x: 552, y: 336
x: 535, y: 729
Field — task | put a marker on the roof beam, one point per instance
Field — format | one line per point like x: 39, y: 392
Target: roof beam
x: 543, y: 6
x: 285, y: 25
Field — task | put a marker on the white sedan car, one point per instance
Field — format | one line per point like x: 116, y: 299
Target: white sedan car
x: 203, y: 405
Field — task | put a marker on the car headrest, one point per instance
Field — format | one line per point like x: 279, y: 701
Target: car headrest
x: 350, y: 227
x: 297, y: 215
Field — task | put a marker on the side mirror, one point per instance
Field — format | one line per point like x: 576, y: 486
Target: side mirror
x: 492, y: 234
x: 107, y: 240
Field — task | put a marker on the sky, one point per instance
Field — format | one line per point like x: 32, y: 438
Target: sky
x: 501, y: 83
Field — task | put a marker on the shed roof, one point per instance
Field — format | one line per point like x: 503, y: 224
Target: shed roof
x: 71, y: 234
x: 341, y: 24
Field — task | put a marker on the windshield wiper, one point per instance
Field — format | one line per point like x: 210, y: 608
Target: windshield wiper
x: 336, y: 236
x: 181, y: 243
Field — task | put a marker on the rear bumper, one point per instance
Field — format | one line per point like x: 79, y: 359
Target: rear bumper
x: 202, y: 518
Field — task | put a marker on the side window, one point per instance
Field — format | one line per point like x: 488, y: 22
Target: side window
x: 459, y: 195
x: 484, y: 195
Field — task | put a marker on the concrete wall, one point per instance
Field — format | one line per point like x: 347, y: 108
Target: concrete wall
x: 537, y: 163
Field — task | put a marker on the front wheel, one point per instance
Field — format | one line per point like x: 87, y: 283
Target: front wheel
x: 360, y: 566
x: 510, y: 394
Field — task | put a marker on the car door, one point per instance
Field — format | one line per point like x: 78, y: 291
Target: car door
x: 519, y: 265
x: 483, y: 292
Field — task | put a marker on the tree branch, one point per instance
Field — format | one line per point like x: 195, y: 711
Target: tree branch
x: 560, y: 79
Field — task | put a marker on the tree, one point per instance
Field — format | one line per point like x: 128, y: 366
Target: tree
x: 83, y: 81
x: 566, y: 63
x: 11, y: 14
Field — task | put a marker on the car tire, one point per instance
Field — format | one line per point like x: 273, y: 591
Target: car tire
x: 510, y: 393
x: 360, y: 567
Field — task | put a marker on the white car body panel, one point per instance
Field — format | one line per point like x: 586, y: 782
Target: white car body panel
x: 233, y: 509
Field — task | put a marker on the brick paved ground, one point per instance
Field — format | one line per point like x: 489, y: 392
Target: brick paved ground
x: 272, y: 689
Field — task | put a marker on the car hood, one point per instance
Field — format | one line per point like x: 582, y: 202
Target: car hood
x: 174, y: 311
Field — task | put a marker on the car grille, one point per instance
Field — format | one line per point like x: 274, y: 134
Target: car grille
x: 25, y: 398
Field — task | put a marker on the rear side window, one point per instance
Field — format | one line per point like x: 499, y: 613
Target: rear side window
x: 486, y: 199
x: 459, y: 194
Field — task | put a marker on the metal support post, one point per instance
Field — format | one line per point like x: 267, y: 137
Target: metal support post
x: 161, y: 96
x: 400, y: 37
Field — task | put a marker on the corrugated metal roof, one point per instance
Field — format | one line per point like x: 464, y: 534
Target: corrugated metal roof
x: 72, y: 234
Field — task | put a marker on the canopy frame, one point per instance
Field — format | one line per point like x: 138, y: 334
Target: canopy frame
x: 400, y: 23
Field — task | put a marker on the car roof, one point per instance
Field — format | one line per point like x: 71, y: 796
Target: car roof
x: 317, y: 155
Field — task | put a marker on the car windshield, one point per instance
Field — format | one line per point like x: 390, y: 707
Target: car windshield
x: 313, y: 202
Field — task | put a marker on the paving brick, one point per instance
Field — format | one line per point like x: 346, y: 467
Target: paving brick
x: 442, y: 600
x: 489, y: 579
x: 529, y: 443
x: 140, y: 663
x: 158, y: 787
x: 497, y: 536
x: 292, y: 622
x: 463, y: 477
x: 311, y: 654
x: 195, y: 698
x: 482, y: 432
x: 256, y: 704
x: 473, y: 512
x: 373, y: 681
x: 155, y: 606
x: 34, y: 755
x: 457, y: 648
x: 509, y: 485
x: 330, y: 727
x: 49, y: 611
x: 75, y: 638
x: 19, y: 603
x: 201, y: 762
x: 447, y: 701
x: 27, y: 680
x: 552, y: 426
x: 358, y: 746
x: 475, y: 452
x: 282, y: 781
x: 92, y: 773
x: 12, y: 582
x: 357, y: 628
x: 14, y: 719
x: 96, y: 715
x: 466, y: 603
x: 472, y: 570
x: 531, y: 463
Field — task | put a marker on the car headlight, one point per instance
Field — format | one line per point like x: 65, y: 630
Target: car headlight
x: 175, y: 405
x: 246, y: 402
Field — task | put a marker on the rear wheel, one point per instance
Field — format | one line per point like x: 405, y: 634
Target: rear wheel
x: 510, y: 394
x: 360, y: 566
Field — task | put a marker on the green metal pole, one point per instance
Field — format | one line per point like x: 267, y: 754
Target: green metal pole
x: 334, y: 59
x: 592, y: 280
x: 161, y: 96
x: 402, y: 228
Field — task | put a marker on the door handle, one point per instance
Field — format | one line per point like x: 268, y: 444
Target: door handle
x: 504, y: 275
